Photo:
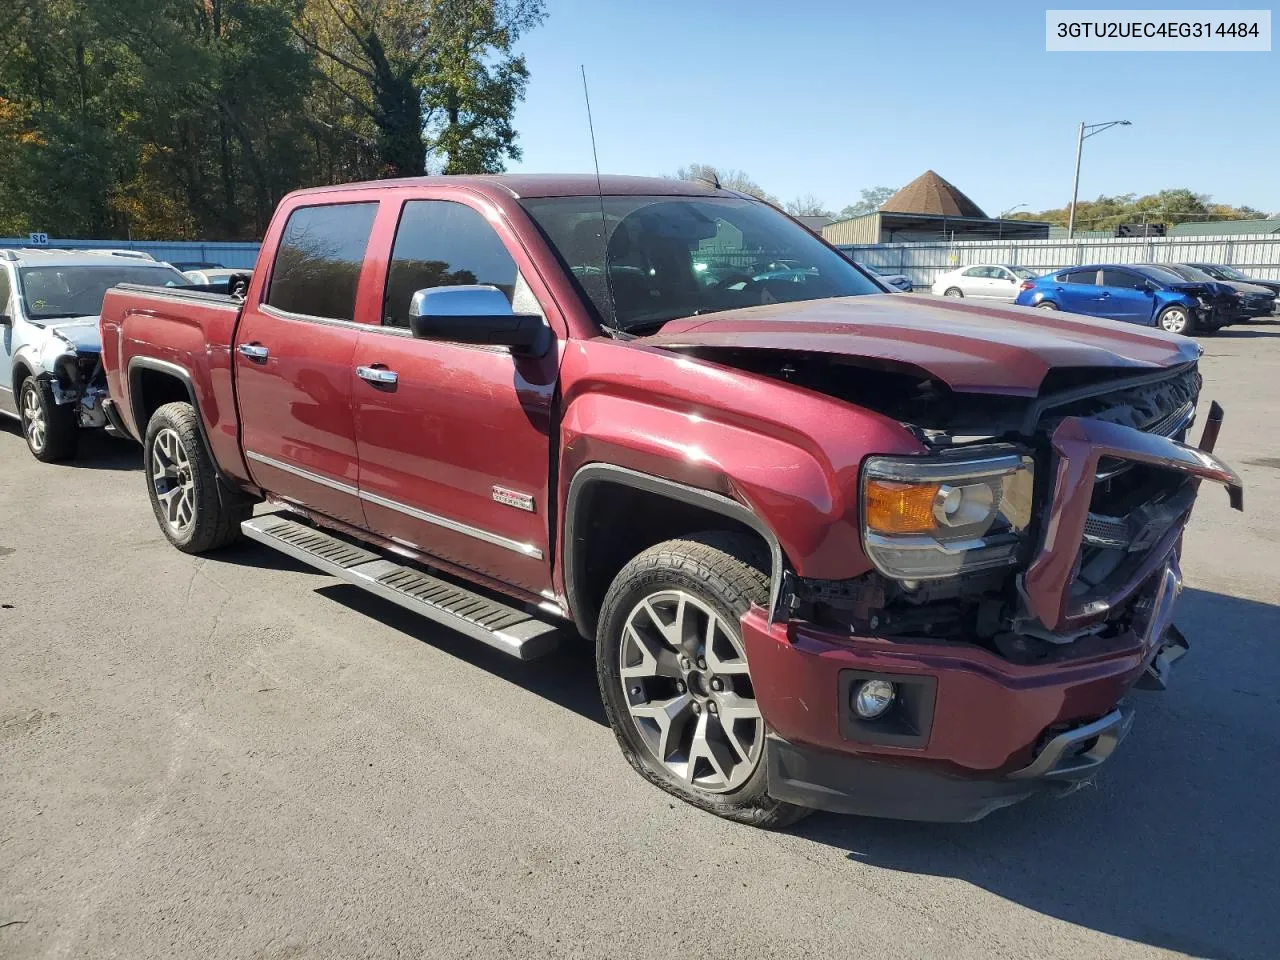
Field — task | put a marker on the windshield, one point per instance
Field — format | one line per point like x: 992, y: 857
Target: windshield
x: 1159, y: 274
x: 1191, y: 273
x: 1024, y: 273
x: 1229, y: 273
x: 672, y: 257
x: 50, y: 293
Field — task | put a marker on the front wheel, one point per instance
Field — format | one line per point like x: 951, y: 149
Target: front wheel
x: 183, y: 484
x: 675, y: 680
x: 1176, y: 320
x: 51, y: 430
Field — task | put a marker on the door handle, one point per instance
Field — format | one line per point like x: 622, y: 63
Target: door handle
x: 378, y: 375
x: 254, y: 351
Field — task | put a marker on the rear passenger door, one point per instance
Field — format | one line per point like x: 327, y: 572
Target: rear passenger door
x: 454, y: 438
x: 1077, y: 291
x: 294, y: 357
x: 974, y: 282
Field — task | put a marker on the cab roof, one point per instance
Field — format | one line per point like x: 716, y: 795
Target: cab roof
x: 524, y: 185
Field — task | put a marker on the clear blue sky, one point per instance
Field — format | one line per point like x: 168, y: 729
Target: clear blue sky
x: 811, y: 96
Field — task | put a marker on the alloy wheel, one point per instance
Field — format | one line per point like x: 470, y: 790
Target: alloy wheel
x: 33, y: 417
x: 173, y: 481
x: 1174, y: 320
x: 686, y: 685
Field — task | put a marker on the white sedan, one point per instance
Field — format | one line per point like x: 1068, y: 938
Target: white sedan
x: 985, y: 281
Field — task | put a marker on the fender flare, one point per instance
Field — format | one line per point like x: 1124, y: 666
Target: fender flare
x: 183, y: 376
x: 593, y: 473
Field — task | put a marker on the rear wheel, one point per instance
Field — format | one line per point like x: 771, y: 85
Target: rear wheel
x: 1176, y: 319
x: 953, y: 292
x: 675, y: 680
x: 1046, y: 305
x: 51, y: 430
x: 183, y: 484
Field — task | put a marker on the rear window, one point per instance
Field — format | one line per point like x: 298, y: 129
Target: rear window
x: 317, y: 267
x: 1079, y: 276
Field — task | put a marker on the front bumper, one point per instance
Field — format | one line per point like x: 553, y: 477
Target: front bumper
x: 824, y: 780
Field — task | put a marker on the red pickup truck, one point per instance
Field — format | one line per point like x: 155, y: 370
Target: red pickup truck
x: 836, y: 547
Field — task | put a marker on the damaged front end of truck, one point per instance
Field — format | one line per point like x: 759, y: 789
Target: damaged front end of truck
x: 1054, y: 538
x: 1024, y: 571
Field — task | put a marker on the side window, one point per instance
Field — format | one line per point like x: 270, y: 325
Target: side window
x: 1089, y: 277
x: 442, y: 243
x: 1121, y: 278
x: 318, y: 264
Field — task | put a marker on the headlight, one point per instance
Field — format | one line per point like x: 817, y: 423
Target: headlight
x: 930, y: 517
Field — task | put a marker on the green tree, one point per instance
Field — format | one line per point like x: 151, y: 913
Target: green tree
x: 473, y: 81
x: 1169, y: 207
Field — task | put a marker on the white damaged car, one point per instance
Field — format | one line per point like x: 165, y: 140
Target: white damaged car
x: 51, y: 375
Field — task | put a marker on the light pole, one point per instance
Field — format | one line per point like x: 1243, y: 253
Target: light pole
x: 1005, y: 213
x: 1086, y: 131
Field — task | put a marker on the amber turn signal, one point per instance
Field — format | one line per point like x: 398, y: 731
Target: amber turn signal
x: 894, y: 507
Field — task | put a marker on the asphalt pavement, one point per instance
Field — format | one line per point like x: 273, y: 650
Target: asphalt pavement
x: 233, y: 756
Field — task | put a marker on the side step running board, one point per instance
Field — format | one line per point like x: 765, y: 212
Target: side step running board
x: 509, y: 629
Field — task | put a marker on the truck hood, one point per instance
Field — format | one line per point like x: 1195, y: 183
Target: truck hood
x: 81, y: 332
x: 971, y: 348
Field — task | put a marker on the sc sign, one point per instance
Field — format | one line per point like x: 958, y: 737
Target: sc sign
x: 39, y: 239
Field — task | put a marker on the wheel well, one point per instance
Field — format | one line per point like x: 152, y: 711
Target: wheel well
x: 612, y: 522
x: 20, y: 373
x: 151, y: 390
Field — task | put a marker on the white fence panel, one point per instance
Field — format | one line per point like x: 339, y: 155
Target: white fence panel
x: 1257, y: 255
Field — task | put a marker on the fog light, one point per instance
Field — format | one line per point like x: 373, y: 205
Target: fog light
x: 873, y: 698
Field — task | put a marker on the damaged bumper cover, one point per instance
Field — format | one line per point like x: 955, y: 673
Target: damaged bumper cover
x: 75, y: 376
x: 1079, y: 445
x: 970, y: 731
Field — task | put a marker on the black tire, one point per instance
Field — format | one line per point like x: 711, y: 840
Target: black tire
x: 1167, y: 320
x: 53, y: 434
x: 1046, y: 305
x: 726, y: 572
x: 215, y: 518
x: 953, y: 292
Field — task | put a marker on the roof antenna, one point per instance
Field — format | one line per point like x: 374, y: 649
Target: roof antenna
x: 604, y: 222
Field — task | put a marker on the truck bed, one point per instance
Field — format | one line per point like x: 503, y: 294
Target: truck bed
x: 188, y: 333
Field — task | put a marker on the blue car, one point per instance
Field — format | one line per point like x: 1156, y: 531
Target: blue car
x: 1133, y: 293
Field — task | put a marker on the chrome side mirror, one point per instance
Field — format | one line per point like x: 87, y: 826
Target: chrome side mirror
x: 476, y: 313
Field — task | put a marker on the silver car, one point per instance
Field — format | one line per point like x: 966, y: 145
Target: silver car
x: 50, y: 365
x: 984, y: 281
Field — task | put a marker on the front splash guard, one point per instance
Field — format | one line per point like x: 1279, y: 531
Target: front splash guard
x: 1079, y: 444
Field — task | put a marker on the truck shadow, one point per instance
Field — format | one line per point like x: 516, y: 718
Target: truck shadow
x: 1177, y: 844
x: 566, y: 677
